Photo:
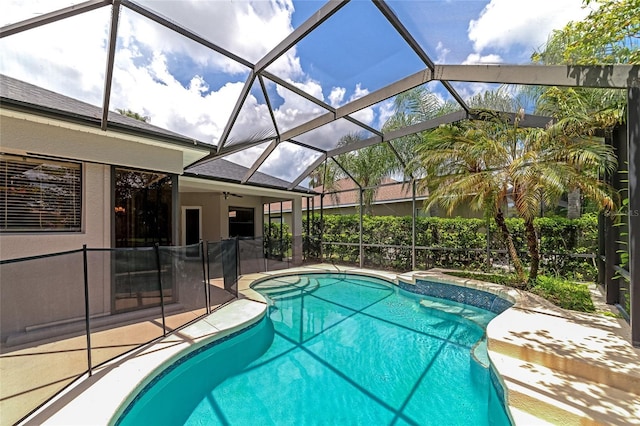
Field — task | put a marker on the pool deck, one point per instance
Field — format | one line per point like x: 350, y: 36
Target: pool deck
x: 557, y: 367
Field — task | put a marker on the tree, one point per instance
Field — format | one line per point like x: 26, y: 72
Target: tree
x: 326, y: 176
x: 584, y: 113
x: 368, y: 166
x: 133, y: 114
x: 610, y: 34
x: 412, y: 107
x: 486, y: 163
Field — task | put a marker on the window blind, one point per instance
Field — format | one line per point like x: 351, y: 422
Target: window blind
x: 39, y: 194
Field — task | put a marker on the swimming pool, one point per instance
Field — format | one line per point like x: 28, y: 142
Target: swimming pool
x: 335, y: 349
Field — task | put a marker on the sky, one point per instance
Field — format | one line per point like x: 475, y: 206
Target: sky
x: 189, y: 89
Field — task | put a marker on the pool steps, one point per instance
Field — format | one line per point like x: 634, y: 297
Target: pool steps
x: 472, y: 316
x: 289, y: 291
x: 562, y: 376
x: 541, y: 395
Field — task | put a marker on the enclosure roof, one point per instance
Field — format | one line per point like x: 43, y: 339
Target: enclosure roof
x: 275, y: 85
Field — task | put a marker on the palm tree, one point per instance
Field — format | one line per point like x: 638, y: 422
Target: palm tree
x: 368, y: 166
x: 583, y: 112
x: 483, y: 163
x: 412, y: 107
x: 326, y: 175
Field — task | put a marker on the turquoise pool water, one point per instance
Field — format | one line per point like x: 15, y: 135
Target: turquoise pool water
x: 335, y: 350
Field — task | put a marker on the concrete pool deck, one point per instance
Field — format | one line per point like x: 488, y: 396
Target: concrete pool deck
x: 557, y: 367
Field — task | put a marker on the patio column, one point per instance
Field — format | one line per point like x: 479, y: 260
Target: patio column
x: 413, y: 224
x: 633, y: 135
x: 360, y: 244
x: 618, y: 140
x: 296, y: 230
x: 322, y: 225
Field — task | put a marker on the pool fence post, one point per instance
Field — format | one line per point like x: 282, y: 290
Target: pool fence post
x: 266, y: 246
x: 238, y: 271
x: 164, y: 325
x: 204, y: 276
x: 86, y: 308
x: 281, y: 230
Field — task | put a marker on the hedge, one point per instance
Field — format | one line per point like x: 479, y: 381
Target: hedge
x: 453, y: 242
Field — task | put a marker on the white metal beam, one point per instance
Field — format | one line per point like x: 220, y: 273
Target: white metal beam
x: 111, y: 53
x: 183, y: 31
x: 47, y: 18
x: 256, y: 164
x: 598, y: 76
x: 308, y: 170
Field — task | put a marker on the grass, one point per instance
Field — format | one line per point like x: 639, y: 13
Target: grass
x: 563, y: 293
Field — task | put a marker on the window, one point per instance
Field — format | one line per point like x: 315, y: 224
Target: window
x: 39, y: 194
x: 241, y: 222
x: 143, y: 207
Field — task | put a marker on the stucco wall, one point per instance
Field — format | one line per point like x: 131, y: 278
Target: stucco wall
x: 65, y: 140
x: 96, y: 222
x: 215, y: 209
x: 210, y: 204
x: 51, y: 290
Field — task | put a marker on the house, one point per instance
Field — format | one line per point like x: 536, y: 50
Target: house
x: 65, y: 182
x: 392, y: 198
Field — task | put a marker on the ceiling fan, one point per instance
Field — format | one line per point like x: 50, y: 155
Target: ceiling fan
x: 230, y: 194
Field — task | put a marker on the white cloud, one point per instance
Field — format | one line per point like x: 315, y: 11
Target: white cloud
x: 476, y: 58
x: 48, y: 56
x: 295, y: 158
x: 385, y: 111
x: 248, y: 156
x: 54, y: 57
x: 192, y: 111
x: 468, y: 90
x: 270, y: 22
x: 442, y: 53
x: 337, y: 96
x: 358, y: 92
x: 504, y: 23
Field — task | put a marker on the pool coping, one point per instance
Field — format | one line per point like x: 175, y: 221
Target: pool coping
x: 100, y: 399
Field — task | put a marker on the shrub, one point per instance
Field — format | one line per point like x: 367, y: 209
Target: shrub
x: 563, y: 293
x: 454, y: 242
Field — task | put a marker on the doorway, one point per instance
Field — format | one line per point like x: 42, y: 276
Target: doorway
x: 191, y: 228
